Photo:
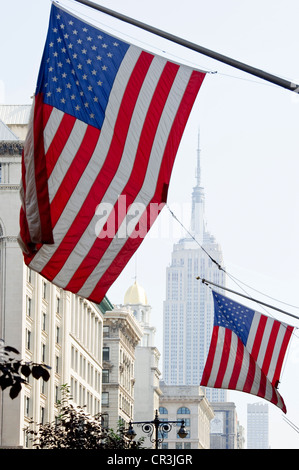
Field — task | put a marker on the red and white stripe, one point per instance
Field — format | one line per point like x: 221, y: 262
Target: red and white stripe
x: 132, y: 155
x: 267, y: 343
x: 254, y: 368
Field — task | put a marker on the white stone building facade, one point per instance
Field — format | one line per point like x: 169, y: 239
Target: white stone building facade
x: 225, y: 427
x: 188, y: 312
x: 147, y: 372
x: 121, y: 335
x: 186, y: 403
x: 257, y: 425
x: 44, y: 323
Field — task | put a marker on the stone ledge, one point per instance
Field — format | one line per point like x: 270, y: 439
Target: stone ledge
x: 11, y: 147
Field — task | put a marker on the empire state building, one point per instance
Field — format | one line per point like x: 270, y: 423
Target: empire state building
x: 188, y: 312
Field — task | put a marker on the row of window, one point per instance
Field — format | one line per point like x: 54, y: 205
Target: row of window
x: 44, y: 322
x: 29, y: 345
x: 28, y: 401
x: 126, y: 371
x: 44, y: 294
x: 183, y: 410
x: 178, y: 445
x: 85, y: 369
x: 83, y: 397
x: 86, y: 325
x: 124, y: 404
x: 27, y: 409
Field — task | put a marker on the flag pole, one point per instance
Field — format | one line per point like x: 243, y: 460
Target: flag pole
x: 204, y: 281
x: 291, y: 86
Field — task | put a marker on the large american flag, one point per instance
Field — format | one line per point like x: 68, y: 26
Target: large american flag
x: 246, y: 352
x: 106, y: 123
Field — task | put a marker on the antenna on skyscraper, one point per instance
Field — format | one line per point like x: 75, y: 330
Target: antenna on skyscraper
x: 135, y: 277
x: 198, y: 169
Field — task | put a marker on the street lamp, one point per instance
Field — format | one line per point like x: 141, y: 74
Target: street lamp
x: 154, y: 427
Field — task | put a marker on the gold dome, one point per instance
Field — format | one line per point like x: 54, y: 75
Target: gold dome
x: 135, y: 295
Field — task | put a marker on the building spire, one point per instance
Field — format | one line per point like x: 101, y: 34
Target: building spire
x: 198, y: 200
x: 198, y: 169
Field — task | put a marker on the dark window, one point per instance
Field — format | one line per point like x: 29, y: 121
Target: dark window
x: 105, y: 376
x: 106, y: 354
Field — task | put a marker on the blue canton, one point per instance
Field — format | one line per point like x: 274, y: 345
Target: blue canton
x: 232, y: 315
x: 78, y: 68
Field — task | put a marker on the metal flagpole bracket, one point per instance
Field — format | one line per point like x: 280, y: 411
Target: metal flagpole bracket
x: 291, y: 86
x: 204, y: 281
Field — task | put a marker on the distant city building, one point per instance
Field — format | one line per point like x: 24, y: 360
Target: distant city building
x: 190, y: 404
x: 240, y: 436
x: 122, y: 333
x: 257, y: 426
x: 188, y: 308
x: 224, y: 427
x: 147, y: 374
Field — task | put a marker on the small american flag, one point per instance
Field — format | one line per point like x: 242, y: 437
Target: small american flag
x: 246, y: 352
x: 106, y: 123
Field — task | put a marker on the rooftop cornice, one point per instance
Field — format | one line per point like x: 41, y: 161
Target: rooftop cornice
x: 11, y: 147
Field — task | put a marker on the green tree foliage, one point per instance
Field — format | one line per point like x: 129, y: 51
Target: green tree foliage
x: 75, y: 429
x: 14, y: 371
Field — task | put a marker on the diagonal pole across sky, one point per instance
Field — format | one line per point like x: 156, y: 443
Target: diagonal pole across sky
x: 289, y: 85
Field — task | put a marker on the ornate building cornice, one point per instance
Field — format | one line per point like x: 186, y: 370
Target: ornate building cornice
x: 9, y: 239
x: 9, y: 187
x: 11, y: 147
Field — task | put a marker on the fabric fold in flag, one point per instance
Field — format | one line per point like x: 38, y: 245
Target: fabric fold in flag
x: 246, y: 352
x: 106, y: 123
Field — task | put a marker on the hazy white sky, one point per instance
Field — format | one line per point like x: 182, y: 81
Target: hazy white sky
x: 249, y: 144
